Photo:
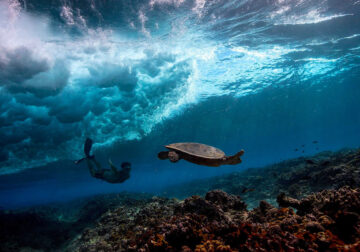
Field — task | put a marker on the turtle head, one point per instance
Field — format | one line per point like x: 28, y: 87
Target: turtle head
x: 171, y: 155
x: 232, y: 160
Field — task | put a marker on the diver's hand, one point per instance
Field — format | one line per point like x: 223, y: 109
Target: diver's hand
x: 78, y: 161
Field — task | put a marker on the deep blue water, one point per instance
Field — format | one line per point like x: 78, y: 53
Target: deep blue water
x: 263, y: 76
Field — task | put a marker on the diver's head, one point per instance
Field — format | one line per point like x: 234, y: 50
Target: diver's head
x: 126, y: 166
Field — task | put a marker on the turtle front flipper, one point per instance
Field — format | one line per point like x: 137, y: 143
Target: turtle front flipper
x: 163, y: 155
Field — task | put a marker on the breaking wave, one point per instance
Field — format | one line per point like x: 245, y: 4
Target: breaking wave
x: 115, y: 70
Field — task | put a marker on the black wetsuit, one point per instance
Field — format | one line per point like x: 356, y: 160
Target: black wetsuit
x: 109, y: 175
x: 112, y: 175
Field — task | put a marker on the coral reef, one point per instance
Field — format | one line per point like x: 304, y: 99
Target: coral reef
x: 52, y: 227
x: 297, y: 178
x: 325, y: 221
x: 318, y: 210
x: 337, y: 210
x: 125, y: 227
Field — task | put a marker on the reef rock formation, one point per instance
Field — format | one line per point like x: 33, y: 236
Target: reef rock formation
x: 325, y: 221
x: 52, y: 227
x: 336, y: 210
x: 308, y: 218
x: 297, y: 178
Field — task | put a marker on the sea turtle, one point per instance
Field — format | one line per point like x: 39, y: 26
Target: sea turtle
x: 198, y: 153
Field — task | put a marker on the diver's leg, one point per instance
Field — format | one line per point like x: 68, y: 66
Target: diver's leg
x: 91, y: 167
x: 98, y: 166
x: 87, y: 147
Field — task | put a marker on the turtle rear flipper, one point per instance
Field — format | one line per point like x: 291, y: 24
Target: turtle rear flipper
x: 240, y: 153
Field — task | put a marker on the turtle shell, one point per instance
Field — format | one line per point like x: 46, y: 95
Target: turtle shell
x: 197, y: 150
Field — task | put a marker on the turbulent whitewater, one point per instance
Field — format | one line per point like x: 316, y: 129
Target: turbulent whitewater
x: 265, y: 76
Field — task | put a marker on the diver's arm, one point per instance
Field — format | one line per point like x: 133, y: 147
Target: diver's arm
x: 113, y: 168
x: 79, y: 161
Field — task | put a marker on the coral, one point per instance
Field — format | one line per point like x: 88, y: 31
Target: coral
x: 212, y: 246
x: 221, y: 222
x: 308, y: 218
x: 49, y: 228
x: 285, y: 201
x: 336, y: 209
x: 297, y: 178
x: 225, y: 201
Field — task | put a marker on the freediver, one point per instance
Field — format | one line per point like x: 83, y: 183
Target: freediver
x: 112, y: 175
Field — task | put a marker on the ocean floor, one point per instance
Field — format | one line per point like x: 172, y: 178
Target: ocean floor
x: 296, y: 177
x: 303, y: 204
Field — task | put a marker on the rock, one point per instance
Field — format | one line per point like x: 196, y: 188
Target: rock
x: 314, y: 227
x: 225, y: 201
x: 198, y: 205
x: 285, y: 201
x: 213, y: 224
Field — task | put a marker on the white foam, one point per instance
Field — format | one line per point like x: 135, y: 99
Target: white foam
x: 333, y: 41
x: 94, y: 62
x: 318, y: 60
x: 143, y: 18
x: 177, y: 3
x: 67, y: 15
x: 312, y: 17
x: 140, y: 83
x: 199, y: 6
